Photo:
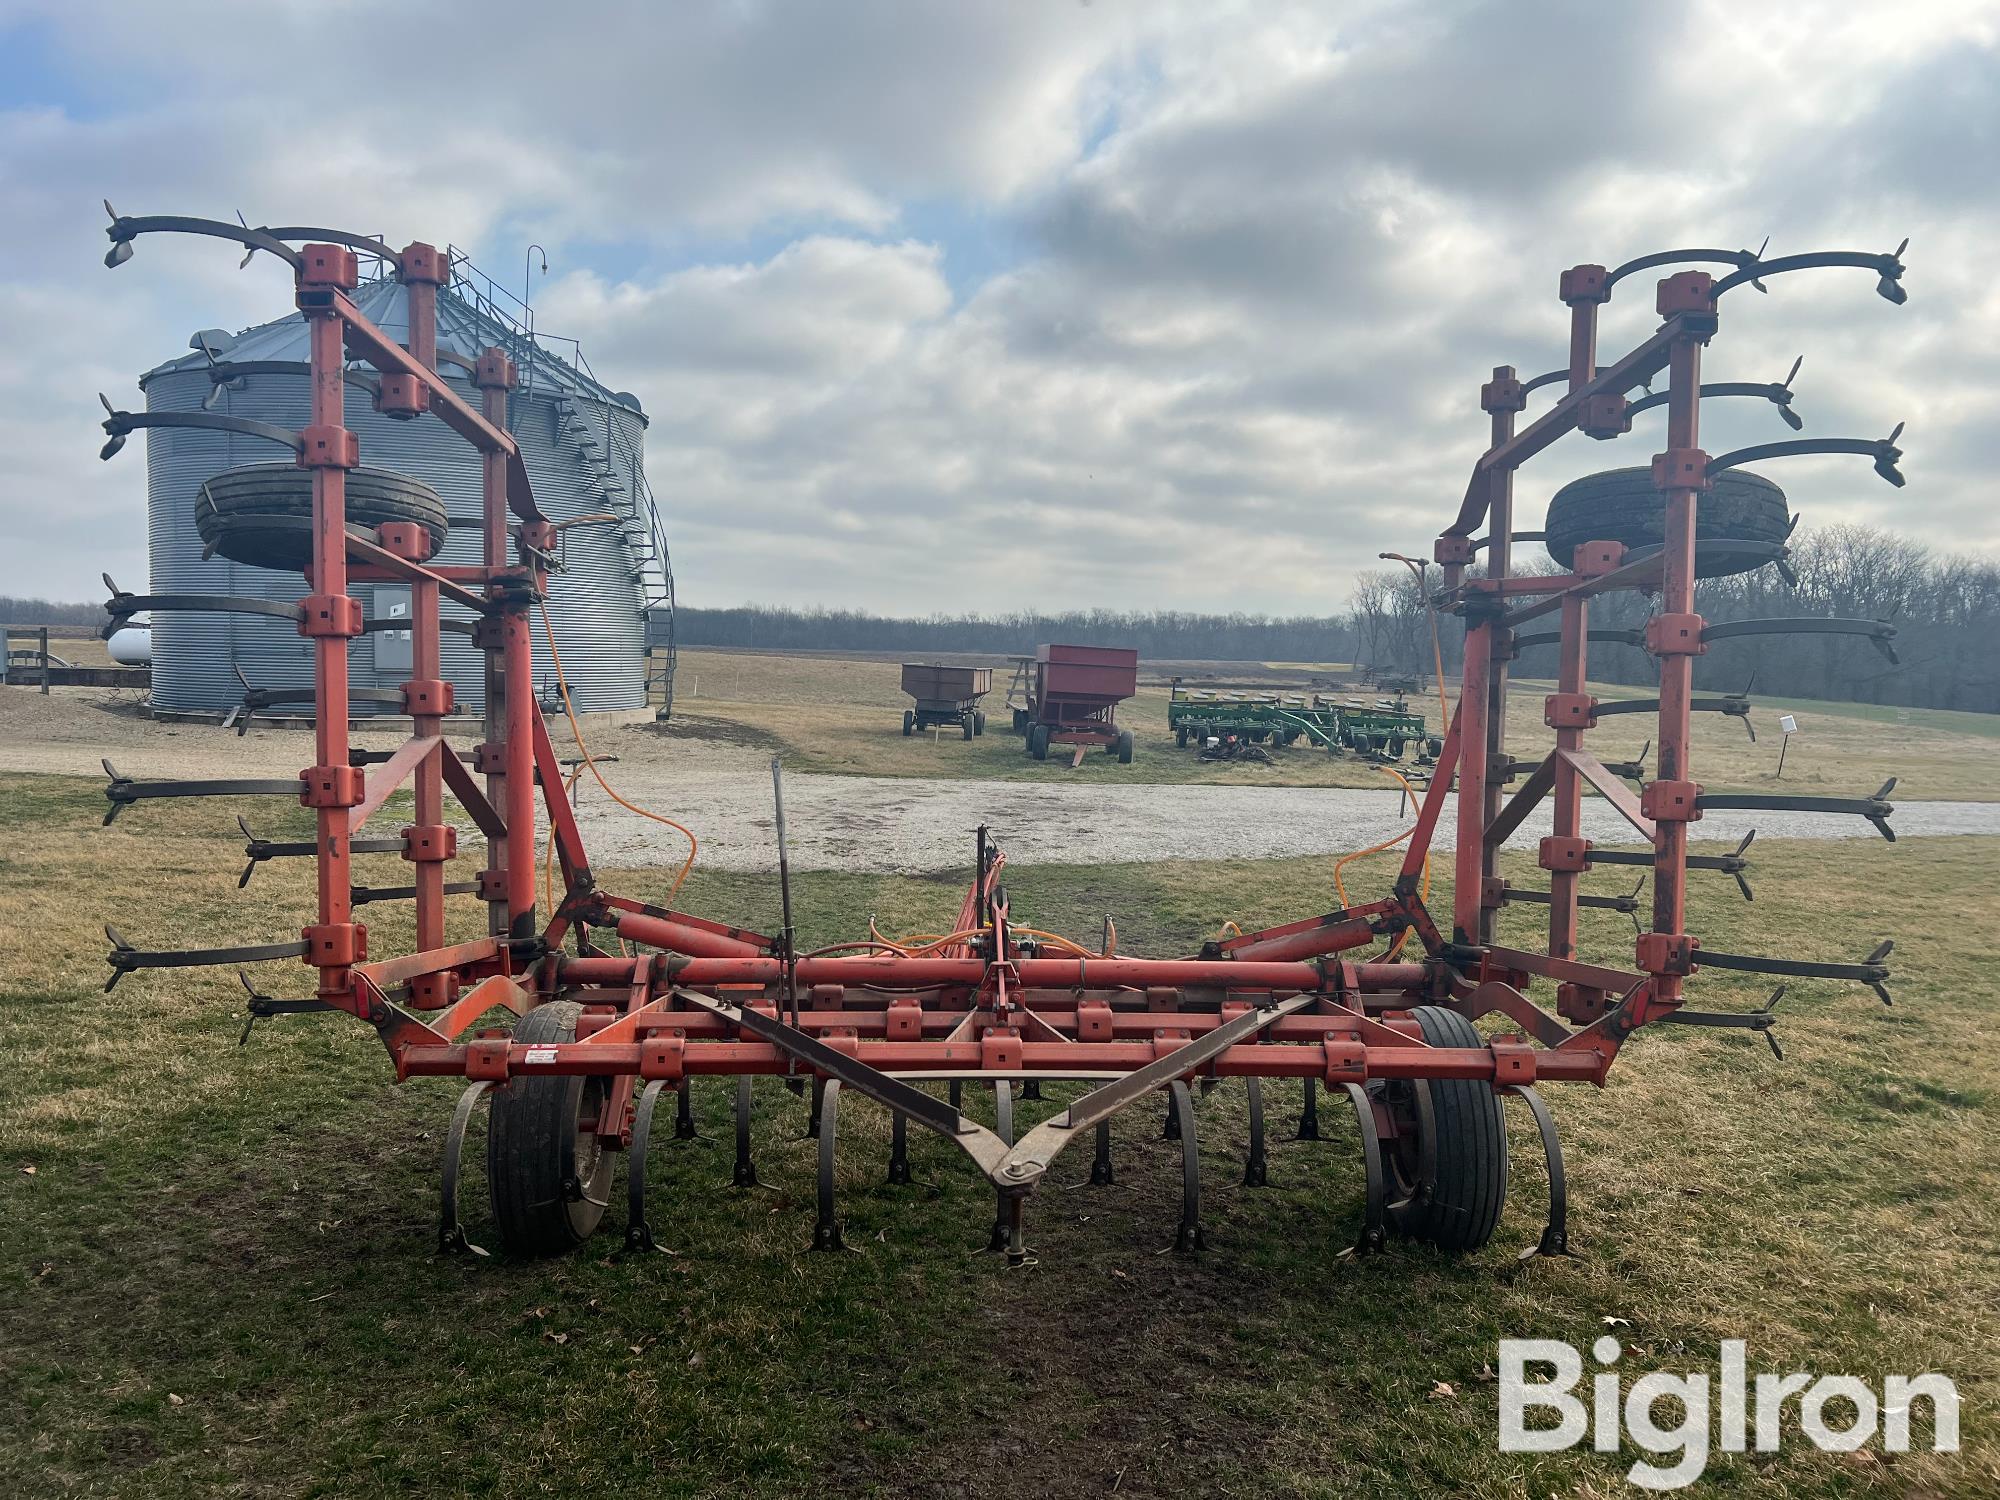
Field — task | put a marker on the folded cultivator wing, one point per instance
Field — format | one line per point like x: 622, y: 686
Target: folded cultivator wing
x: 993, y: 1004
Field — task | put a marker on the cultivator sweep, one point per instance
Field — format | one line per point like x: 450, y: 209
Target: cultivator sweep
x: 613, y: 1001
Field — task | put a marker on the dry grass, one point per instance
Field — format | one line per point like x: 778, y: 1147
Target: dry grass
x: 845, y: 717
x: 218, y: 1278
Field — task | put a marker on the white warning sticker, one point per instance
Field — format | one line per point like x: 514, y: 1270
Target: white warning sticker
x: 540, y: 1055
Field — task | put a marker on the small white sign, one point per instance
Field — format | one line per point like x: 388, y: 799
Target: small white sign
x: 539, y: 1055
x: 1788, y: 723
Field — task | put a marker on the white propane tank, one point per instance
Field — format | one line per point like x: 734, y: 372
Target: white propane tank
x: 132, y: 646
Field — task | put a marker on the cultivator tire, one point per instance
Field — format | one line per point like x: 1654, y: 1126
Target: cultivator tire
x: 549, y: 1180
x: 1180, y: 739
x: 1466, y: 1149
x: 1621, y: 505
x: 261, y: 514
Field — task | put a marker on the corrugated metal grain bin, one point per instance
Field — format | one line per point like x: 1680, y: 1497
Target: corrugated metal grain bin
x: 584, y: 449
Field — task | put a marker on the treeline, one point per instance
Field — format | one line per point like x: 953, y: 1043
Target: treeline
x: 41, y: 612
x: 1159, y: 635
x: 1945, y: 609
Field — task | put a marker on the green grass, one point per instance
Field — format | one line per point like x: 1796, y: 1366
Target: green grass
x: 219, y: 1277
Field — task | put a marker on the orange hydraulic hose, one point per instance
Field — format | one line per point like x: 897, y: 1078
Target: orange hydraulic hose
x: 1066, y: 944
x: 576, y: 730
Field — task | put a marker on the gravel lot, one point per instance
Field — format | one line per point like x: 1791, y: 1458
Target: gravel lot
x: 723, y: 791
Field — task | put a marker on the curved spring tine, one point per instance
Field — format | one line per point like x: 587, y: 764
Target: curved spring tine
x: 746, y: 1170
x: 826, y: 1228
x: 1255, y: 1168
x: 1309, y: 1114
x: 638, y: 1233
x: 1006, y: 1221
x: 1018, y: 1254
x: 899, y: 1151
x: 451, y: 1233
x: 1101, y: 1174
x: 1373, y: 1233
x: 1187, y: 1237
x: 684, y: 1126
x: 1555, y: 1235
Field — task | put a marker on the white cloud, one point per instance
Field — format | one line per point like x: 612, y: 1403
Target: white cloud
x: 1254, y: 263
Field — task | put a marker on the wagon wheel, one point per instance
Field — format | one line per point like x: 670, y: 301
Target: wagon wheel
x: 549, y: 1173
x: 1038, y: 741
x: 1124, y: 747
x: 909, y: 721
x: 978, y: 721
x: 1446, y: 1163
x: 965, y: 723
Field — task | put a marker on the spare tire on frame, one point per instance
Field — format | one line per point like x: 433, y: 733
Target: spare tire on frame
x: 261, y: 514
x: 1622, y: 505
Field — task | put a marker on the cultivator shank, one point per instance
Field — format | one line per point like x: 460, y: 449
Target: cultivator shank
x: 587, y: 1040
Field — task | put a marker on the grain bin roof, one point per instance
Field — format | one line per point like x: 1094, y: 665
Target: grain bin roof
x: 461, y: 327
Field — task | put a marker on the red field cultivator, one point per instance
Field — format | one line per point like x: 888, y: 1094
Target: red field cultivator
x: 598, y: 1035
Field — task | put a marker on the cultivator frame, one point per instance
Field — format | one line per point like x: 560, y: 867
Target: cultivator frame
x: 991, y: 1004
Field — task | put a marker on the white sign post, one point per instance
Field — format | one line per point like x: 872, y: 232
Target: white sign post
x: 1788, y: 726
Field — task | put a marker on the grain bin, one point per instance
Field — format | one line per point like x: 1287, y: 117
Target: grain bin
x: 584, y: 448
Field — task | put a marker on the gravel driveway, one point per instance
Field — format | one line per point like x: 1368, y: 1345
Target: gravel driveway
x: 923, y: 825
x: 723, y: 791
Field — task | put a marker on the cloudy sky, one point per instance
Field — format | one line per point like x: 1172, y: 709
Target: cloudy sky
x: 1030, y: 303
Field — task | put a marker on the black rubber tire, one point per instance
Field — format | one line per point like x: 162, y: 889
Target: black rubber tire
x: 549, y: 1188
x: 1463, y: 1207
x: 965, y: 723
x: 1621, y: 505
x: 1038, y: 741
x: 978, y: 721
x: 1180, y: 739
x: 1436, y: 746
x: 1020, y: 721
x: 909, y: 722
x: 1124, y: 747
x: 261, y: 514
x: 1395, y: 747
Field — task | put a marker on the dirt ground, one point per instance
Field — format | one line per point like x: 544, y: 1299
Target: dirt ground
x: 716, y: 778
